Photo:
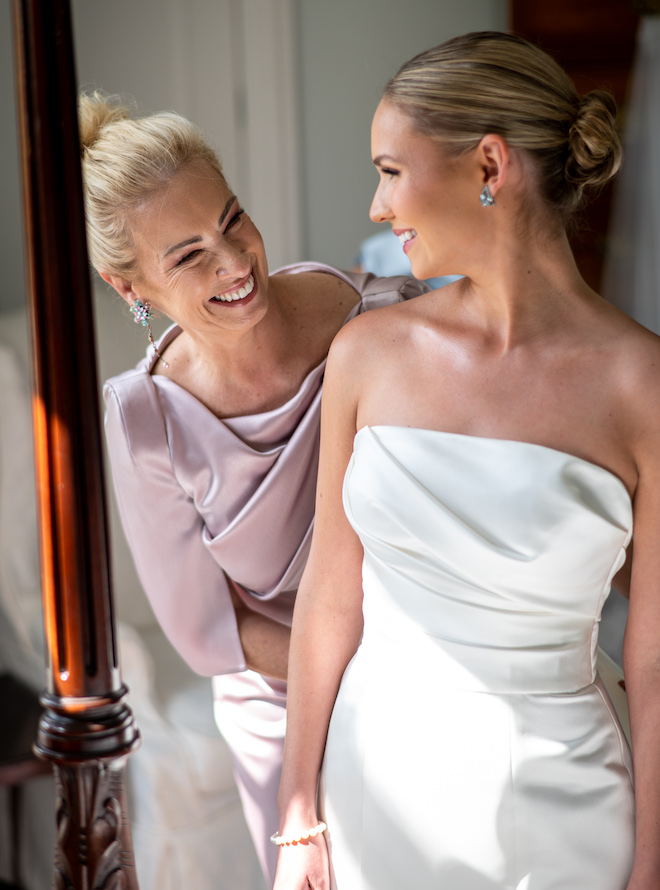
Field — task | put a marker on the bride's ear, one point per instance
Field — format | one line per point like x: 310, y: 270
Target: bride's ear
x: 123, y: 287
x: 494, y: 159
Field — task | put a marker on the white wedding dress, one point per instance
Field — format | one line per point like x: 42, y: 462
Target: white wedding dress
x: 472, y: 746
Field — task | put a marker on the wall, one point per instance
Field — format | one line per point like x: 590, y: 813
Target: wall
x: 348, y: 50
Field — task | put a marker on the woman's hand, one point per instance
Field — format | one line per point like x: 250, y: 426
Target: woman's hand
x: 303, y: 866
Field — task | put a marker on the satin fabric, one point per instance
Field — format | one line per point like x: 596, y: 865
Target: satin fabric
x: 200, y: 497
x: 472, y: 745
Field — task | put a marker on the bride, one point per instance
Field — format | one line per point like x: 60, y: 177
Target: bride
x: 493, y: 443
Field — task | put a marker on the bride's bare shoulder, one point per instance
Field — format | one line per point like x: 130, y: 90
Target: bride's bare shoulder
x: 630, y: 366
x: 374, y: 336
x: 635, y: 349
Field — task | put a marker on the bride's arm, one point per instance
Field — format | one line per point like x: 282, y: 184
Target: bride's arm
x: 641, y: 655
x: 327, y: 626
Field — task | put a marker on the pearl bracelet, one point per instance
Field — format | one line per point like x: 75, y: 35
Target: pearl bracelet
x: 280, y: 840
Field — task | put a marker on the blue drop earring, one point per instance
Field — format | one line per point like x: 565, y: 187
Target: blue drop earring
x: 487, y: 200
x: 142, y: 314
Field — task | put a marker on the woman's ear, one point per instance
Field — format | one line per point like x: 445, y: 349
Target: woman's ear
x: 494, y: 159
x: 123, y: 287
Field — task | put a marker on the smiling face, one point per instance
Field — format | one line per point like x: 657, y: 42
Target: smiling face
x: 200, y: 258
x: 430, y: 199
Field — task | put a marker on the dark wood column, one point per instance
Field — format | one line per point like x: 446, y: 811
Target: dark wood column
x: 87, y: 729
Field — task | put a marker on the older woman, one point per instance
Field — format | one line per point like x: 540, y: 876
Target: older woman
x: 213, y: 438
x: 493, y: 444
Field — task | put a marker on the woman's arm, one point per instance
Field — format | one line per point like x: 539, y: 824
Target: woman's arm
x: 327, y: 627
x: 641, y: 659
x: 191, y: 596
x: 265, y: 642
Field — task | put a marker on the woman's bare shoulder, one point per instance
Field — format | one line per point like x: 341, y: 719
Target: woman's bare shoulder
x: 315, y: 292
x: 635, y: 350
x: 633, y: 372
x: 641, y: 378
x: 368, y: 335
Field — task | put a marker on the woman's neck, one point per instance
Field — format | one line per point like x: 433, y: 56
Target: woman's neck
x: 523, y: 285
x: 235, y: 371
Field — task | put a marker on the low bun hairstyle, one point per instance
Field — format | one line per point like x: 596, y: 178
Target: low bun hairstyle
x: 492, y: 82
x: 124, y: 161
x: 593, y: 155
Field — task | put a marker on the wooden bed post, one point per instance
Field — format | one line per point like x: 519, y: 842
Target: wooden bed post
x: 87, y: 729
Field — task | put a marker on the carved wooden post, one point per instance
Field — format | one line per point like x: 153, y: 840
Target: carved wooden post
x: 87, y: 729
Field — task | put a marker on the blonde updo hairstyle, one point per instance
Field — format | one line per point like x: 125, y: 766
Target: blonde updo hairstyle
x: 124, y: 161
x: 492, y: 82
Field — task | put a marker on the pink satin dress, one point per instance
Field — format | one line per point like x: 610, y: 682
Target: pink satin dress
x: 201, y: 498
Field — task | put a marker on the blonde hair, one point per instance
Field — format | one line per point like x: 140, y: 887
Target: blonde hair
x: 492, y: 82
x: 124, y: 161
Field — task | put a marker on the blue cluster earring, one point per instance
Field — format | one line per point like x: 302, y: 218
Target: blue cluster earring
x: 142, y: 314
x: 487, y: 200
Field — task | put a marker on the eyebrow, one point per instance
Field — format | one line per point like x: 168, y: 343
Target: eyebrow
x: 379, y: 160
x: 197, y: 238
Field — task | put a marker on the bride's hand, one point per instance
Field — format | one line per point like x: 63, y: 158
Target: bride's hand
x: 303, y: 866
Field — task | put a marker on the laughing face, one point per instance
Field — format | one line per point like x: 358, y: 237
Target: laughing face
x: 429, y: 198
x: 201, y: 260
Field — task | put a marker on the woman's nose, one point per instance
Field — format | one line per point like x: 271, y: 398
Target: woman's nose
x: 379, y: 211
x: 231, y: 260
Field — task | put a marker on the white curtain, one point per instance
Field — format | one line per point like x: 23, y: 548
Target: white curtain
x: 632, y: 266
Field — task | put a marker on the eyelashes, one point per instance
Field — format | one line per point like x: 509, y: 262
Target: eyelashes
x: 235, y: 218
x: 185, y: 259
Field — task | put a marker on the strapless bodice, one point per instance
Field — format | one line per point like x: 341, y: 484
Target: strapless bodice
x: 486, y: 560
